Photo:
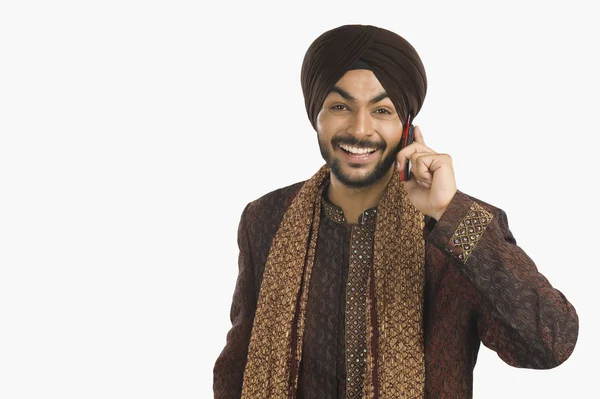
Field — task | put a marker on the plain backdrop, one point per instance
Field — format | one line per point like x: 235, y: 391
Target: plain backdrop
x: 133, y: 133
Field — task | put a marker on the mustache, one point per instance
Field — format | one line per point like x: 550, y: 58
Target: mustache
x: 354, y: 142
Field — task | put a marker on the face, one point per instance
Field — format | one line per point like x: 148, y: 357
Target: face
x: 359, y: 130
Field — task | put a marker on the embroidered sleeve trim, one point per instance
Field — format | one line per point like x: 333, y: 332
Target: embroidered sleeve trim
x: 469, y: 232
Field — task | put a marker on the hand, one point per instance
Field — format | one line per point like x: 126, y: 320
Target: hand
x: 432, y: 185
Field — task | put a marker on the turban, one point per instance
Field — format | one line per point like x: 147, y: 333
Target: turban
x: 393, y: 60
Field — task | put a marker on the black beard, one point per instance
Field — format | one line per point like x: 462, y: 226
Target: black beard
x: 380, y: 169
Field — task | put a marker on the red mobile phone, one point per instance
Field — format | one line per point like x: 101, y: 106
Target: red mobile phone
x: 407, y: 139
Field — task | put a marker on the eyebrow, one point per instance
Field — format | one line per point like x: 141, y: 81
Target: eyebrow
x: 348, y: 96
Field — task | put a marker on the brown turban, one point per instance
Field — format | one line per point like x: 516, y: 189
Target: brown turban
x: 393, y: 60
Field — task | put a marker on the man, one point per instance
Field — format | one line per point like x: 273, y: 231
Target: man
x: 355, y: 284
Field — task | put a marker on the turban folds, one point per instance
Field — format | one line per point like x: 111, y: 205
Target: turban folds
x: 393, y: 60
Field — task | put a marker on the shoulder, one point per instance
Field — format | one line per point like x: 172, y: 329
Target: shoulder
x: 265, y: 213
x: 260, y: 221
x: 277, y: 198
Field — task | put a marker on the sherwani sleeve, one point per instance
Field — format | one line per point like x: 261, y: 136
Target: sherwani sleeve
x: 229, y: 367
x: 521, y: 316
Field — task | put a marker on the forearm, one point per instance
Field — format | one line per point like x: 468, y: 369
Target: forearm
x: 522, y: 317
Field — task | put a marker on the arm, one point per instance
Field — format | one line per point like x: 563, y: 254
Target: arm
x: 228, y: 371
x: 528, y: 322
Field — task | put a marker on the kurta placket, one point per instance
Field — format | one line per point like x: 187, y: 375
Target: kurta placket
x: 360, y: 259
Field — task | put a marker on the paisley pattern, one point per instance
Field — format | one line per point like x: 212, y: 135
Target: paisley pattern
x: 496, y: 296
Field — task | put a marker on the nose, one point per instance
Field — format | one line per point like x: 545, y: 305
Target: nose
x: 361, y: 124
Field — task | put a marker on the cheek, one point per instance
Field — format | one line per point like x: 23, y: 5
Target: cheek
x: 326, y: 124
x: 390, y: 132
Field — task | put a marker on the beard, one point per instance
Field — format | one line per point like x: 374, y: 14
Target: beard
x: 365, y: 180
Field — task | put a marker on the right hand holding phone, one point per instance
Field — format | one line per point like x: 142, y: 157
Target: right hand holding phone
x: 432, y: 184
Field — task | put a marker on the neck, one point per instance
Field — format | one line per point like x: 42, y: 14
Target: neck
x: 355, y: 201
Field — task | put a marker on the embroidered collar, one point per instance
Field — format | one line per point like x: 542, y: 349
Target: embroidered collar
x: 335, y: 213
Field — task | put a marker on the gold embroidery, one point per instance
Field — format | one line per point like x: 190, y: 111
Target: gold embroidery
x: 360, y: 260
x: 333, y: 212
x: 469, y: 231
x: 361, y: 255
x: 336, y: 214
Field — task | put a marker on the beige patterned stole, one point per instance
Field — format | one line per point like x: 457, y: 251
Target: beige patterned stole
x: 395, y: 359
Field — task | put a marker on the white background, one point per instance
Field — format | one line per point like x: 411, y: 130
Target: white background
x: 134, y: 133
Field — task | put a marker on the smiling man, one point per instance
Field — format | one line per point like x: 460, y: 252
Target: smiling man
x: 355, y: 284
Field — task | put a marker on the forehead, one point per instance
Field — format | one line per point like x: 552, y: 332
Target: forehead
x: 360, y: 83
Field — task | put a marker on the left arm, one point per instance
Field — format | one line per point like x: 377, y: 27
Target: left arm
x: 522, y: 317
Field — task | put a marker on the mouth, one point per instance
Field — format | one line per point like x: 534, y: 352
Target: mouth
x: 358, y: 154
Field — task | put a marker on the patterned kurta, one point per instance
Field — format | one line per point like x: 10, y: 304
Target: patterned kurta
x: 479, y: 287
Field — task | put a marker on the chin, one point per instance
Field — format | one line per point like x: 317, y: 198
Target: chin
x: 354, y: 178
x: 360, y: 177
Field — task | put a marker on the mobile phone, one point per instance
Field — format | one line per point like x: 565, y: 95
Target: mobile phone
x: 406, y: 140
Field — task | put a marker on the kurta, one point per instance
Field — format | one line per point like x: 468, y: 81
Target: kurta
x: 478, y: 288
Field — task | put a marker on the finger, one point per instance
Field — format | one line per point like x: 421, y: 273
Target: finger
x: 407, y: 152
x: 418, y: 135
x: 422, y: 183
x: 413, y: 184
x: 430, y: 168
x: 421, y: 166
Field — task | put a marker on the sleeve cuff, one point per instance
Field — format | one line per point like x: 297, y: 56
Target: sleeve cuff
x: 461, y: 227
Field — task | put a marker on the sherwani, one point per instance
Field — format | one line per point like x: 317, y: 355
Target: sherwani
x: 478, y: 288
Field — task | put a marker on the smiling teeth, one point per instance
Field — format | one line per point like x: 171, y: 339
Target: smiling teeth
x: 355, y: 150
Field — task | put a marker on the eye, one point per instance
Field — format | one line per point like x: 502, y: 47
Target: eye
x: 384, y: 111
x: 338, y: 107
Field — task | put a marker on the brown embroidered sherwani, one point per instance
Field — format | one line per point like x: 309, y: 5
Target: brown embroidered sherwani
x: 479, y: 287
